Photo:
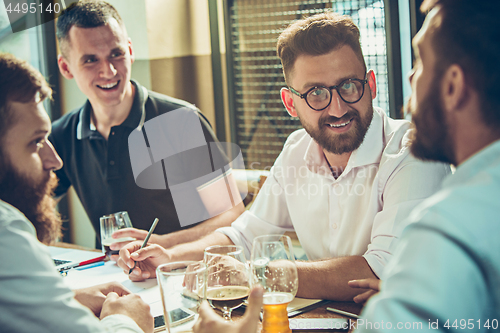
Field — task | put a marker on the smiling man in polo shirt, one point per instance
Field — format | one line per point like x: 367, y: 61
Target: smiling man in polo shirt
x: 93, y: 140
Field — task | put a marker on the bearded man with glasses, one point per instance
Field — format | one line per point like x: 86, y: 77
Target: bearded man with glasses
x: 345, y: 183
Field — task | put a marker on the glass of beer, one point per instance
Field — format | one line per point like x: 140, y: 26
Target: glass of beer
x: 273, y: 266
x: 111, y: 223
x: 228, y: 282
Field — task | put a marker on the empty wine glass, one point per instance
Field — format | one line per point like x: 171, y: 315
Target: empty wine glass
x: 228, y: 282
x: 273, y: 266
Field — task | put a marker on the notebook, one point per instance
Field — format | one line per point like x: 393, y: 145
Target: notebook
x: 301, y: 305
x: 68, y: 258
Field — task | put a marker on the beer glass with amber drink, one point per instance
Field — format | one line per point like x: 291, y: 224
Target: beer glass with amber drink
x: 273, y: 266
x: 228, y: 283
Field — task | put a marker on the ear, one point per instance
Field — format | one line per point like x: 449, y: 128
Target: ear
x: 63, y: 67
x: 131, y: 50
x: 453, y: 88
x: 286, y: 98
x: 372, y: 83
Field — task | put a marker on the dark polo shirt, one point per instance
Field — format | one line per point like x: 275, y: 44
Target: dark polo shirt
x: 101, y: 171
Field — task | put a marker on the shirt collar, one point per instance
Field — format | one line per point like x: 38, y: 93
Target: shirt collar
x: 315, y: 159
x: 369, y: 152
x: 482, y: 160
x: 85, y: 128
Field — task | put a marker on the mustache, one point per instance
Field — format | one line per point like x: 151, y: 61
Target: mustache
x: 351, y: 114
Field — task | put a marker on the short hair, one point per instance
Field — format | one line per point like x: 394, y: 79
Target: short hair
x: 317, y: 35
x: 469, y: 35
x: 19, y: 82
x: 84, y: 14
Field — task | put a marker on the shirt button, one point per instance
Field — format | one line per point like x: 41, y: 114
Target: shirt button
x: 112, y: 133
x: 334, y: 225
x: 112, y: 162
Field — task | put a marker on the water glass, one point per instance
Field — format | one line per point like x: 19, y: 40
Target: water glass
x: 111, y: 223
x: 183, y: 288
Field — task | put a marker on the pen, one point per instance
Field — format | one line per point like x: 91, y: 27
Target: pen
x: 307, y: 308
x: 345, y: 313
x: 153, y: 226
x: 96, y: 264
x: 91, y: 261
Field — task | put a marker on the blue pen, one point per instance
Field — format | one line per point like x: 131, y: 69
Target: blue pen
x: 99, y: 263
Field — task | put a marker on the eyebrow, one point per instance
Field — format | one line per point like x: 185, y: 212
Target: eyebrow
x: 39, y: 132
x: 90, y: 56
x: 309, y: 85
x: 116, y: 49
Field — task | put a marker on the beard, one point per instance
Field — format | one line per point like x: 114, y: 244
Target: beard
x: 430, y: 139
x: 344, y: 142
x: 34, y: 200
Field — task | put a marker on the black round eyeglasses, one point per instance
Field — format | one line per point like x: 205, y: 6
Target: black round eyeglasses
x: 319, y: 98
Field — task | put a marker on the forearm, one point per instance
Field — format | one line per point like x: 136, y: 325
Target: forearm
x: 327, y: 279
x: 207, y: 227
x: 194, y: 250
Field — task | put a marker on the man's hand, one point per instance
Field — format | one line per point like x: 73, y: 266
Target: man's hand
x: 94, y: 297
x: 147, y: 259
x: 372, y: 284
x: 209, y: 321
x: 138, y: 234
x: 130, y: 305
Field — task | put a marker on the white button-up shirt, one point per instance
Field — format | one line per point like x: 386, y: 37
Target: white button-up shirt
x: 361, y: 212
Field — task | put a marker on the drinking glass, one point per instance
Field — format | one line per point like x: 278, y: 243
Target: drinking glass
x: 111, y: 223
x: 273, y: 266
x: 182, y: 288
x: 228, y: 282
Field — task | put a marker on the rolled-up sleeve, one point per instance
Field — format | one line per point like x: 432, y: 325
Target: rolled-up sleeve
x: 268, y: 215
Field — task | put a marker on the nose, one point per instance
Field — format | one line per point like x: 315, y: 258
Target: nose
x: 50, y: 158
x: 337, y: 107
x: 108, y: 70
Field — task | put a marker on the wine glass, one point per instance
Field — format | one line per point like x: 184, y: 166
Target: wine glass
x: 111, y: 223
x: 228, y: 282
x: 273, y: 266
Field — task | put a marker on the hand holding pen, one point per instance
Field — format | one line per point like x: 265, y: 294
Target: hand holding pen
x: 140, y: 261
x: 153, y: 226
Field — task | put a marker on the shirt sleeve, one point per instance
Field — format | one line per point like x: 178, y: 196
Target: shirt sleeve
x: 431, y: 280
x: 37, y: 298
x: 268, y: 215
x: 120, y: 323
x: 410, y: 183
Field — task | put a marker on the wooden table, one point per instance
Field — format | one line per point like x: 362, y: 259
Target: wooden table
x: 319, y: 312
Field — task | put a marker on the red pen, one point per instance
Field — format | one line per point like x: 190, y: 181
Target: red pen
x: 86, y: 262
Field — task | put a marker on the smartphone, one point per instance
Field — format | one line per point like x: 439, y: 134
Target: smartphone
x: 319, y: 324
x: 177, y: 317
x: 159, y: 323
